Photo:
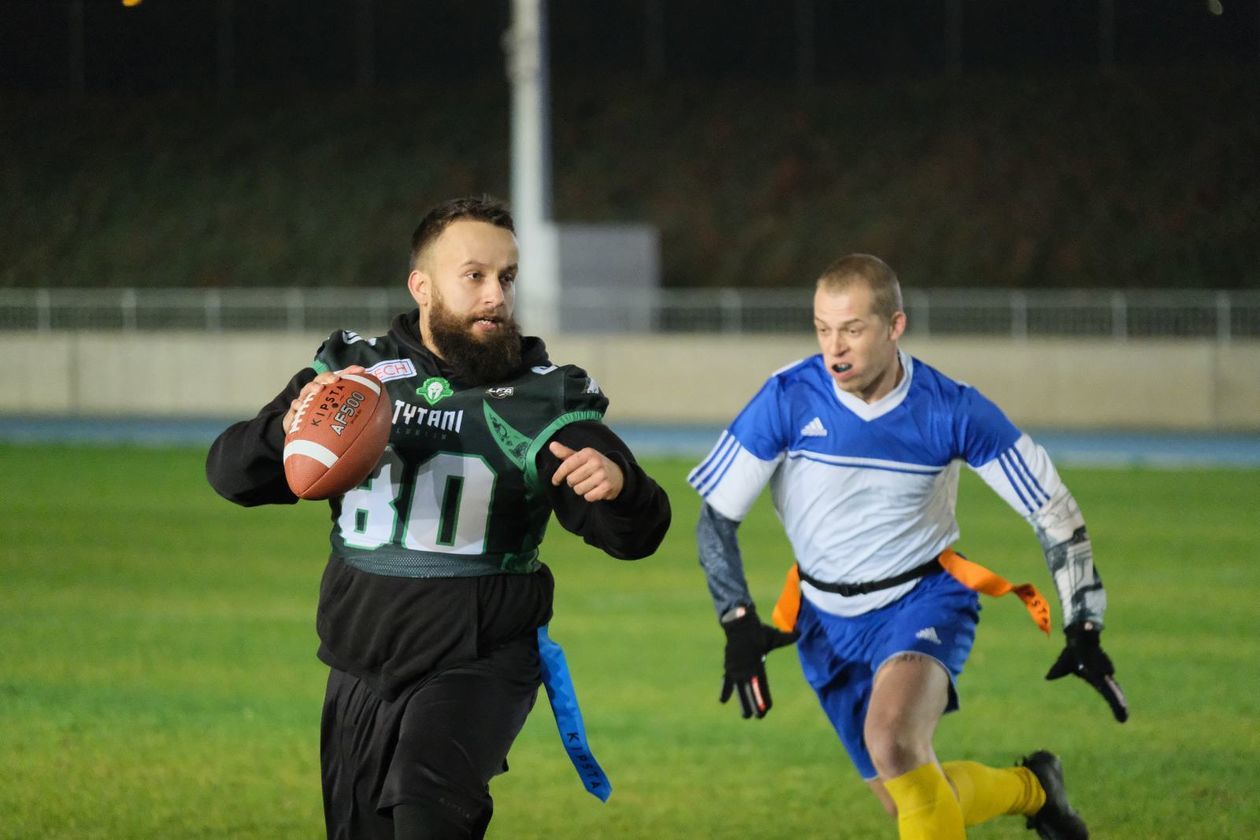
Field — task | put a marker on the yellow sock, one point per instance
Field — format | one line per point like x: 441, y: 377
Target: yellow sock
x: 926, y: 807
x: 986, y: 792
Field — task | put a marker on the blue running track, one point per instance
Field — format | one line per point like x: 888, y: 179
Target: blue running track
x: 1098, y: 449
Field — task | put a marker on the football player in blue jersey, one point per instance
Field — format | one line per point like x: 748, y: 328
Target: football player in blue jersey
x: 861, y: 446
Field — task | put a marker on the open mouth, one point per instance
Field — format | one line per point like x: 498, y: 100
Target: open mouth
x: 842, y: 367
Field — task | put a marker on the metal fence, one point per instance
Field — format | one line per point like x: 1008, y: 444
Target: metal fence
x: 1223, y: 316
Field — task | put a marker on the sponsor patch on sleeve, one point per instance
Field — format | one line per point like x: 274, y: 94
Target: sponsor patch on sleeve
x: 393, y: 369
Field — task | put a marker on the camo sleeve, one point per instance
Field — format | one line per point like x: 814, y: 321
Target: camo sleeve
x: 718, y: 546
x: 1024, y: 476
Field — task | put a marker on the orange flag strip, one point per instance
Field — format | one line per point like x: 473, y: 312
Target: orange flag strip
x: 969, y: 574
x: 788, y: 607
x: 977, y: 577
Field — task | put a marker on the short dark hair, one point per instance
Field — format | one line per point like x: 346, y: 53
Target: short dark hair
x: 871, y: 271
x: 479, y: 208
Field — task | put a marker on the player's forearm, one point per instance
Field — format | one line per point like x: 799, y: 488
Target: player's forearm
x: 1024, y: 476
x: 245, y: 464
x: 633, y: 525
x: 1060, y: 529
x: 629, y: 527
x: 242, y: 466
x: 1071, y: 565
x: 720, y: 558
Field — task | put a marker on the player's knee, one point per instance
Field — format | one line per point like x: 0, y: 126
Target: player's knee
x: 441, y: 818
x: 895, y: 751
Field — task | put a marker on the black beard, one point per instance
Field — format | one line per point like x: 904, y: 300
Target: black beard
x: 480, y: 361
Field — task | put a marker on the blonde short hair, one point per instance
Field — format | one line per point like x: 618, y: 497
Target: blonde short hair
x: 871, y: 271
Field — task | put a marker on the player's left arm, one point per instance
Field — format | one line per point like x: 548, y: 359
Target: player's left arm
x: 598, y: 491
x: 1021, y: 472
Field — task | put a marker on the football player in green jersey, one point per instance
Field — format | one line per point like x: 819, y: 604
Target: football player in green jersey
x: 433, y: 596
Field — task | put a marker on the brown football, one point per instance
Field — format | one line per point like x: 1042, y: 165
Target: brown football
x: 337, y: 437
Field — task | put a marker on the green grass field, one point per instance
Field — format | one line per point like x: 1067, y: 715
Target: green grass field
x: 158, y: 677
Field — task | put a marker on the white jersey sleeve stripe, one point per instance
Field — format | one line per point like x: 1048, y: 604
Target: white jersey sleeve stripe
x: 737, y: 482
x: 1014, y: 485
x: 708, y: 459
x: 721, y: 468
x: 1033, y: 483
x: 702, y: 474
x: 1019, y: 473
x: 1024, y: 476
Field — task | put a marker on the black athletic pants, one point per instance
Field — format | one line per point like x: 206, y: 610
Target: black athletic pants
x: 420, y: 766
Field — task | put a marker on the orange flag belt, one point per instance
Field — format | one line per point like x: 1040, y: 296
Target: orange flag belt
x: 970, y: 574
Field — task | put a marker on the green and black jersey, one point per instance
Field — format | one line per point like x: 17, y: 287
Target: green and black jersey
x: 435, y: 557
x: 457, y: 491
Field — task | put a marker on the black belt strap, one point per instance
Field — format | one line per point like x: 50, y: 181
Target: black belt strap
x: 848, y: 590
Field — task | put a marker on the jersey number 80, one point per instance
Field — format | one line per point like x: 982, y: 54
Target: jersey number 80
x: 441, y: 504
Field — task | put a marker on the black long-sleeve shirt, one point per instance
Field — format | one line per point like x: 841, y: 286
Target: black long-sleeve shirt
x: 390, y: 630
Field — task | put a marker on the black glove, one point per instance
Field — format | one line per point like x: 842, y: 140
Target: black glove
x: 1084, y: 657
x: 747, y: 643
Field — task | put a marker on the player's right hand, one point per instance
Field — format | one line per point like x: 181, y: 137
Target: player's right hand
x: 328, y: 377
x: 592, y: 475
x: 747, y: 643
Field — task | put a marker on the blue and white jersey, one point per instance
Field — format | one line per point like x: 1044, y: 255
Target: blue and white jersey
x: 867, y: 491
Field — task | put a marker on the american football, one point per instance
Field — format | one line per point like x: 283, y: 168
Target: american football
x: 337, y: 437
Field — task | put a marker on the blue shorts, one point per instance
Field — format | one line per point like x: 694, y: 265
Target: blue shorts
x: 841, y: 655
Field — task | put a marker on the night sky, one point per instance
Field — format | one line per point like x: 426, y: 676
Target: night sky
x: 174, y: 45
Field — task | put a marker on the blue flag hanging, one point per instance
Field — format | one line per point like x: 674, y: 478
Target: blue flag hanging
x: 564, y: 706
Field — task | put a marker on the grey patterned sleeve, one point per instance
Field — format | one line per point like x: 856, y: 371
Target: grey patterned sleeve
x: 1071, y: 564
x: 1024, y: 476
x: 721, y: 561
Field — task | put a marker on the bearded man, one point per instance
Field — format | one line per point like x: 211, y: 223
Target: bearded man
x: 434, y: 602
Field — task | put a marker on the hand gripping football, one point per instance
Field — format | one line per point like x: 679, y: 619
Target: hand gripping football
x: 338, y: 435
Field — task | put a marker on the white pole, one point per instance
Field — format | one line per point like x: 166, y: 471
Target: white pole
x: 537, y: 290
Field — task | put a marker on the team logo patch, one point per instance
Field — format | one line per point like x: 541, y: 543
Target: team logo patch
x: 393, y: 369
x: 592, y: 387
x: 351, y: 337
x: 435, y: 389
x: 501, y: 393
x: 541, y: 369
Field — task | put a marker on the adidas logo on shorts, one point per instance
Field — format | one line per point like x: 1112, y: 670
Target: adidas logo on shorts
x: 928, y: 634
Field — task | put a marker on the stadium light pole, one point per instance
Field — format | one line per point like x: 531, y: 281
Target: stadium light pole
x: 537, y: 293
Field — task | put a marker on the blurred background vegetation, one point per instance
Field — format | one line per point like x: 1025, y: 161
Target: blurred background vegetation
x: 1017, y: 162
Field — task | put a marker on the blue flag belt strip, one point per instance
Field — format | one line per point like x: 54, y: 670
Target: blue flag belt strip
x: 564, y: 705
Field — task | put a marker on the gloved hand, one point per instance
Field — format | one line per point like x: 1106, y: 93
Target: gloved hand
x: 747, y: 643
x: 1084, y: 657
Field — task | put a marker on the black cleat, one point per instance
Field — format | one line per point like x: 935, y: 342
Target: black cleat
x: 1056, y: 820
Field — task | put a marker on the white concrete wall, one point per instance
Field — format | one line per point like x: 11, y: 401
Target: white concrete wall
x: 1188, y: 385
